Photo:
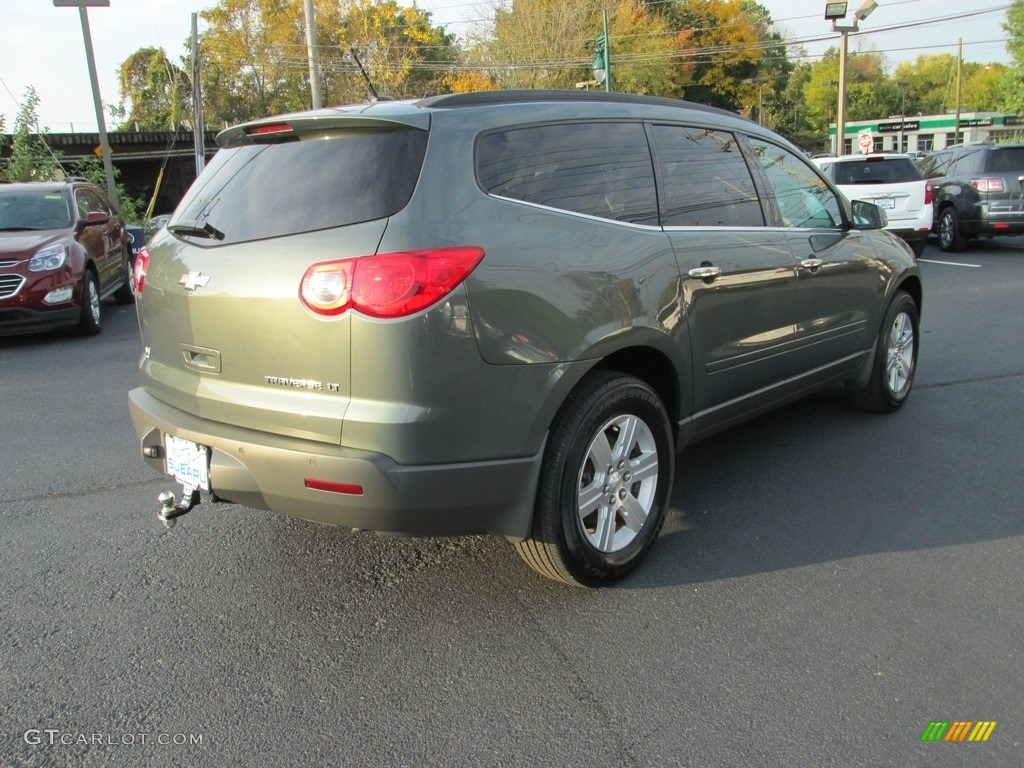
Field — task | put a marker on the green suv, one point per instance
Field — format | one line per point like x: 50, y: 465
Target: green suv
x: 502, y: 313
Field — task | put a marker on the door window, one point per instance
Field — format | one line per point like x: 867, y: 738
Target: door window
x: 803, y: 197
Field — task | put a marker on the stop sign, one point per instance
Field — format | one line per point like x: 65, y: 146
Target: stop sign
x: 866, y: 142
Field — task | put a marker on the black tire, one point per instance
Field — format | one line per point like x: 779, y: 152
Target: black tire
x: 592, y: 548
x: 895, y: 363
x: 951, y: 239
x: 918, y: 247
x: 90, y: 319
x: 126, y: 294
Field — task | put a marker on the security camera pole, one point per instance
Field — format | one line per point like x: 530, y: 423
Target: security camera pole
x: 108, y: 167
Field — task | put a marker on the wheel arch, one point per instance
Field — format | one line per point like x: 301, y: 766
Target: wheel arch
x: 912, y: 285
x: 653, y: 367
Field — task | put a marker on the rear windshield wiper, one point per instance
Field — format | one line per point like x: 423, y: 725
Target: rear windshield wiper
x: 207, y: 231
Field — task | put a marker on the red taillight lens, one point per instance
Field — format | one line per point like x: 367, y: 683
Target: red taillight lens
x: 139, y: 271
x: 988, y: 185
x: 928, y: 194
x: 387, y: 285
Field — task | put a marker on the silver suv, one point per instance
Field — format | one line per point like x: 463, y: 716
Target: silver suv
x: 502, y: 313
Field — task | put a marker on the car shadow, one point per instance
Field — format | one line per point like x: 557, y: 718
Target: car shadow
x: 819, y: 481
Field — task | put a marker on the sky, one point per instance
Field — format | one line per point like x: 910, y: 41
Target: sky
x: 42, y: 46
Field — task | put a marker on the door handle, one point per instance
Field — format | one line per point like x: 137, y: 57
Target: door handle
x: 705, y: 272
x: 811, y: 264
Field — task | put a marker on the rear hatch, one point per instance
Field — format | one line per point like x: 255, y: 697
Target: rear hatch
x: 1002, y: 182
x: 226, y: 335
x: 892, y: 183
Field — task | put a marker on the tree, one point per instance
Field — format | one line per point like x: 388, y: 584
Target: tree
x: 404, y: 54
x: 158, y: 92
x: 31, y: 157
x: 1014, y: 83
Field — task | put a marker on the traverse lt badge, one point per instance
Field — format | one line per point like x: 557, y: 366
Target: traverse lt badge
x: 194, y: 280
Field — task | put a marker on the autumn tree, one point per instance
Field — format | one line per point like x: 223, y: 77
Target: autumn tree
x: 404, y: 54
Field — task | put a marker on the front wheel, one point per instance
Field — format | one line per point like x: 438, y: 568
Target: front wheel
x: 895, y: 363
x: 90, y: 319
x: 604, y: 485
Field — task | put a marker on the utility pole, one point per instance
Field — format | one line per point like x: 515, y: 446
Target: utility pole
x: 101, y: 126
x: 959, y: 79
x: 314, y: 70
x: 198, y: 127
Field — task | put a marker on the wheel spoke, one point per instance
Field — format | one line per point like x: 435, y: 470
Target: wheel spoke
x: 645, y: 466
x: 634, y: 513
x: 590, y: 496
x: 628, y: 427
x: 601, y: 453
x: 605, y: 533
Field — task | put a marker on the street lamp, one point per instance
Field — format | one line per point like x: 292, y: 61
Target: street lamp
x: 834, y: 12
x: 101, y: 126
x: 902, y: 85
x: 602, y: 66
x: 760, y: 83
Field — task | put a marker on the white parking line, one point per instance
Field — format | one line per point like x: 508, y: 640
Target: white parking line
x: 951, y: 263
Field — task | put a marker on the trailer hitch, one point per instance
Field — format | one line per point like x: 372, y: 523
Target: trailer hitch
x: 170, y: 512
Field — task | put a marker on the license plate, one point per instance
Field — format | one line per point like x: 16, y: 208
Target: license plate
x: 188, y: 463
x: 885, y: 202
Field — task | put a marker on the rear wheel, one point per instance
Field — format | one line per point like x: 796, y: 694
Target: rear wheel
x: 950, y: 238
x: 604, y: 485
x: 895, y: 364
x: 90, y: 319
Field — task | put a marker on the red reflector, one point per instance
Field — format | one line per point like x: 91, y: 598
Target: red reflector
x: 139, y: 270
x: 1002, y: 225
x: 928, y: 194
x: 263, y: 130
x: 323, y: 485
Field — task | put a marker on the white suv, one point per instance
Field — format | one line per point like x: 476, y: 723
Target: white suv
x: 894, y: 184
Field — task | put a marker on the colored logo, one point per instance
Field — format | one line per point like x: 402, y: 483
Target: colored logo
x: 958, y: 730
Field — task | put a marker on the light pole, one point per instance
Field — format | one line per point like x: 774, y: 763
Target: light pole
x: 834, y: 12
x: 101, y: 126
x: 760, y: 83
x: 903, y: 112
x: 602, y: 66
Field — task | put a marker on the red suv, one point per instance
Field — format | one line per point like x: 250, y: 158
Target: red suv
x: 62, y: 252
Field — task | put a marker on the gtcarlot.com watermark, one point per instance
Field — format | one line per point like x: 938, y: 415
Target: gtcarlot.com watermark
x: 54, y: 737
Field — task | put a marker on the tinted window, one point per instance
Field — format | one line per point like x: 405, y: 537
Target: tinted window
x: 874, y: 171
x: 803, y: 197
x: 705, y: 179
x: 967, y: 162
x: 598, y: 169
x: 267, y: 190
x: 1005, y: 160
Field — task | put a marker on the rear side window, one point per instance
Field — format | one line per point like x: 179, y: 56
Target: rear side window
x: 803, y: 197
x: 600, y: 169
x: 1005, y: 160
x: 268, y: 190
x: 875, y: 171
x: 706, y: 180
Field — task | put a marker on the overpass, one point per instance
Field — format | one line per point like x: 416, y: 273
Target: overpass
x: 139, y: 156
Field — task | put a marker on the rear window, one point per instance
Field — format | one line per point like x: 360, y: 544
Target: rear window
x: 1005, y: 160
x: 875, y: 171
x: 269, y: 190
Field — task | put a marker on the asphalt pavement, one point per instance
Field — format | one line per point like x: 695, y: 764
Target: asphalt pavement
x: 828, y: 584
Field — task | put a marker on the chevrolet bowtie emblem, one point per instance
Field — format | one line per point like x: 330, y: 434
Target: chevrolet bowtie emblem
x: 194, y: 280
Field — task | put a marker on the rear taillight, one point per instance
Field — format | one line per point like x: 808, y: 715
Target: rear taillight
x: 988, y: 185
x: 928, y: 194
x: 387, y: 285
x: 139, y: 271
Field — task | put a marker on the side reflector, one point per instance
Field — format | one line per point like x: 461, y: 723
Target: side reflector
x: 349, y: 489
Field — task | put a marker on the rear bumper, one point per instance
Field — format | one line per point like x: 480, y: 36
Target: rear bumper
x: 265, y: 471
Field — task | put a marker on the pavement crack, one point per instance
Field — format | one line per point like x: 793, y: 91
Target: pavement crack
x: 76, y: 494
x: 974, y: 380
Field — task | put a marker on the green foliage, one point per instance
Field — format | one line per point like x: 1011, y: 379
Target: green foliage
x: 91, y: 168
x: 159, y: 92
x: 1013, y: 83
x: 31, y: 158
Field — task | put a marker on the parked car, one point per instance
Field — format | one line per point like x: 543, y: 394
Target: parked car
x: 502, y: 313
x: 894, y: 184
x: 156, y: 223
x: 979, y: 192
x: 63, y: 251
x: 136, y: 239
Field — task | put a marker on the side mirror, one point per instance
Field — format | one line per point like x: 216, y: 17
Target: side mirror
x: 868, y: 215
x: 92, y: 219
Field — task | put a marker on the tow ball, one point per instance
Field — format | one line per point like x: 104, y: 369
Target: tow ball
x: 170, y: 512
